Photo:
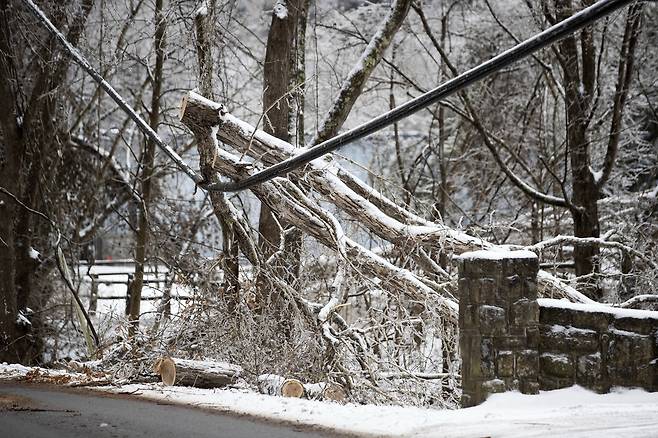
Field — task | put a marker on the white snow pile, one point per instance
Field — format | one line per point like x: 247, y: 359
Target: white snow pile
x: 600, y: 308
x: 497, y: 254
x: 570, y: 412
x: 12, y: 371
x: 281, y: 10
x: 34, y: 254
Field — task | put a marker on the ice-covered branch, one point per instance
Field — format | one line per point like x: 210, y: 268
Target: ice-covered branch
x: 358, y: 76
x: 326, y: 177
x: 599, y: 241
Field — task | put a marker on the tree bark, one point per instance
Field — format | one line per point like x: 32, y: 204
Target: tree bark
x: 230, y: 262
x: 29, y: 127
x: 578, y: 95
x: 148, y: 161
x: 278, y: 73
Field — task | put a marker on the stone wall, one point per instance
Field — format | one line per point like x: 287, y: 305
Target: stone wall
x: 596, y: 346
x: 510, y: 340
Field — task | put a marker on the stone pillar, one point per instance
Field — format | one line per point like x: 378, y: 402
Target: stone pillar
x: 498, y: 323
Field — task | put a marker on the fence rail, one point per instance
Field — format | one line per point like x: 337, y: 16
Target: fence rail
x: 97, y: 278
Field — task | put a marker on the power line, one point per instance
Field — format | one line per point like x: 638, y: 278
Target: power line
x: 518, y: 52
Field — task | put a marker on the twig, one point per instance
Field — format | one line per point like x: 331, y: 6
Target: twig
x: 601, y: 241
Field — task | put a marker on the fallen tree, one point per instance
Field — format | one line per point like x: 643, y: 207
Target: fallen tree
x: 415, y: 287
x: 337, y: 185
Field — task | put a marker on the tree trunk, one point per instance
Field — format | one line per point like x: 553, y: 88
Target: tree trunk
x: 278, y: 73
x: 230, y: 262
x: 147, y: 174
x: 11, y: 348
x: 578, y: 87
x: 200, y: 374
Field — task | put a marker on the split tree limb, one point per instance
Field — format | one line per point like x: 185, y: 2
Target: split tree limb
x: 326, y: 176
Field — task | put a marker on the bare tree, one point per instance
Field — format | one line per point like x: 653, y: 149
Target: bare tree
x: 31, y: 87
x: 147, y: 174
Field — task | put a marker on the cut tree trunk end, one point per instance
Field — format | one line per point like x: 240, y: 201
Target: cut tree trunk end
x: 325, y: 391
x: 272, y: 384
x: 166, y: 368
x: 200, y: 374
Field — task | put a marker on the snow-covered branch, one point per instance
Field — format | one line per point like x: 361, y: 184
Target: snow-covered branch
x: 325, y: 176
x: 599, y: 241
x: 358, y: 76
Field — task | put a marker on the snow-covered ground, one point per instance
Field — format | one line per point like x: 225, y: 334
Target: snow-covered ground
x: 570, y: 412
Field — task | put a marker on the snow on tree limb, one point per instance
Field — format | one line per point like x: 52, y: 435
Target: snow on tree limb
x: 332, y: 181
x: 356, y: 79
x: 326, y: 177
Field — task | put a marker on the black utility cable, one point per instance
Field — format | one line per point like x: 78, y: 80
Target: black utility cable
x: 520, y: 51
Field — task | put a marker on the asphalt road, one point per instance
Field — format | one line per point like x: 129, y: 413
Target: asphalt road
x: 42, y: 411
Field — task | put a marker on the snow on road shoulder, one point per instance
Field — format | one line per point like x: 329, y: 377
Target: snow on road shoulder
x: 570, y: 412
x: 10, y: 371
x: 349, y: 418
x: 84, y: 375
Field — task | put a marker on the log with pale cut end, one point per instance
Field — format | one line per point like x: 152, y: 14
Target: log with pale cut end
x: 335, y: 393
x: 166, y: 368
x: 292, y: 388
x: 325, y: 391
x: 272, y: 384
x: 197, y: 373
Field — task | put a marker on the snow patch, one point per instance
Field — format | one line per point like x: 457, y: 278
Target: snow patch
x: 202, y: 11
x: 280, y: 10
x: 626, y: 333
x: 571, y: 330
x: 653, y: 193
x: 204, y: 101
x: 13, y: 370
x: 596, y: 174
x: 561, y: 358
x: 34, y: 254
x: 497, y: 254
x: 22, y: 319
x: 598, y: 307
x: 210, y: 366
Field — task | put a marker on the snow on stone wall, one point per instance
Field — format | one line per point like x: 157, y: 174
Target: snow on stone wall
x: 510, y: 340
x: 598, y: 347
